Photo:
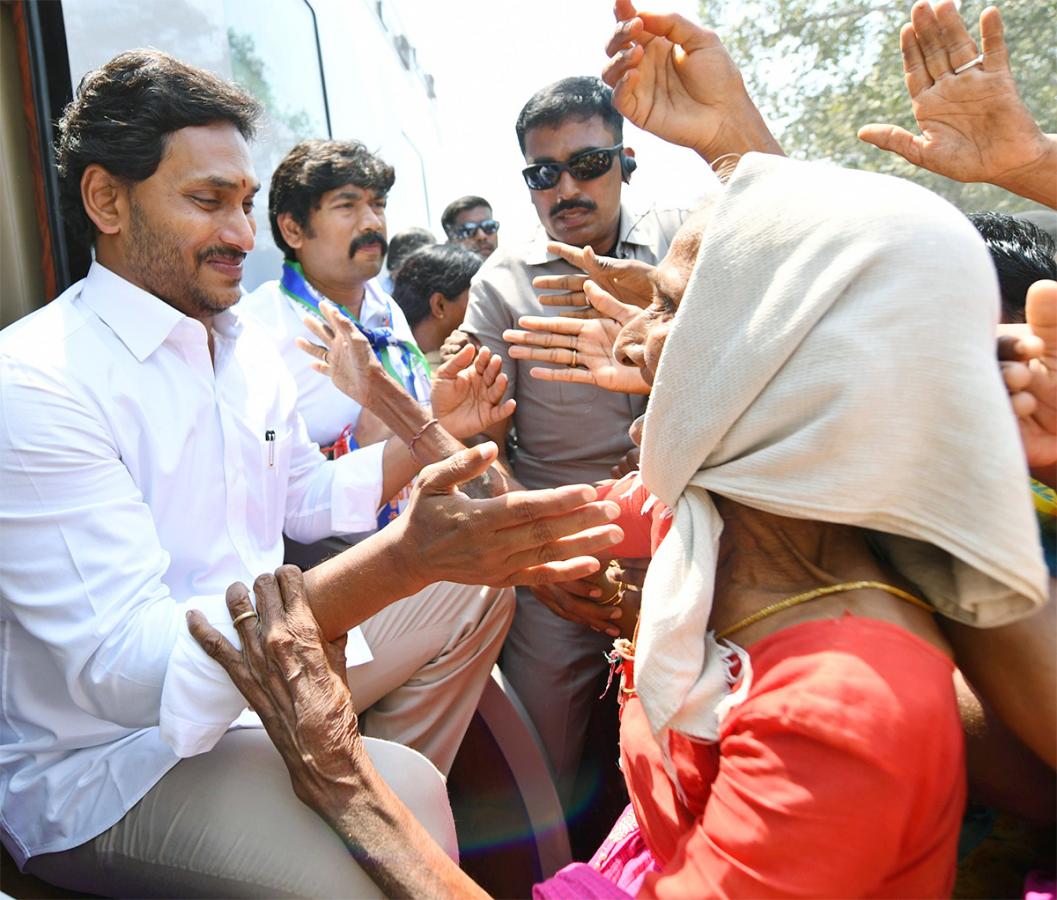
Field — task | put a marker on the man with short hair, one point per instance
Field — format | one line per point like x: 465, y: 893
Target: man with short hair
x: 469, y: 223
x: 326, y: 208
x: 151, y: 455
x: 576, y: 165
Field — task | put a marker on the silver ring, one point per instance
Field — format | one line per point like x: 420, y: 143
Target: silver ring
x: 250, y: 613
x: 973, y: 62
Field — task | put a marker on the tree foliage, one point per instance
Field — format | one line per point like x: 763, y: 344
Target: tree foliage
x: 819, y: 70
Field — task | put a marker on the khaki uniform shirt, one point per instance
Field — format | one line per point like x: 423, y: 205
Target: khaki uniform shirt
x: 567, y: 433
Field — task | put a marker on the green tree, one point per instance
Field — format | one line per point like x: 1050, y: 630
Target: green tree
x: 820, y: 69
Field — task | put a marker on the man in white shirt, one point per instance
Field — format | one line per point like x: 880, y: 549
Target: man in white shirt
x: 326, y: 208
x: 150, y: 455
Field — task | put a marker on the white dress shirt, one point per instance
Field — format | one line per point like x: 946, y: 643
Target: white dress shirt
x: 325, y: 409
x: 138, y: 479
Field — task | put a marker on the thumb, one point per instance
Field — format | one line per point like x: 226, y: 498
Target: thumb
x: 1041, y: 314
x: 607, y: 304
x: 444, y: 477
x: 891, y: 138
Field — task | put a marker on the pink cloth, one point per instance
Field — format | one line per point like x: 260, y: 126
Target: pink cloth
x: 615, y: 872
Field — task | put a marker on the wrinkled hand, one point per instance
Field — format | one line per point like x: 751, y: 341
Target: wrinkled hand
x: 584, y: 346
x: 631, y: 576
x: 626, y: 279
x: 453, y: 343
x: 295, y: 681
x: 673, y: 77
x: 974, y: 126
x: 343, y: 354
x: 522, y: 537
x: 1029, y: 368
x: 467, y: 392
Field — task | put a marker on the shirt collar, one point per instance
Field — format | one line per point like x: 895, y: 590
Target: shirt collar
x: 635, y: 228
x: 141, y: 321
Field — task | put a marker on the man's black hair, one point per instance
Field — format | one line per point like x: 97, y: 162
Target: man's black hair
x: 404, y: 243
x: 453, y: 209
x: 580, y: 97
x: 1022, y: 253
x: 447, y: 268
x: 314, y: 167
x: 123, y: 114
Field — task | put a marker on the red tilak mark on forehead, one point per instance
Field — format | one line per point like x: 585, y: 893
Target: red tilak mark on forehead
x: 243, y: 182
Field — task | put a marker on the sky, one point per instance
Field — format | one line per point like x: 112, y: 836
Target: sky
x: 488, y: 57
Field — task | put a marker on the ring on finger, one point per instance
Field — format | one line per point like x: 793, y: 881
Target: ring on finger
x: 573, y: 364
x: 964, y: 67
x: 250, y: 613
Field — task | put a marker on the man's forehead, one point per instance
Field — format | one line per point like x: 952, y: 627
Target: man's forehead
x: 566, y: 138
x: 216, y: 153
x: 351, y: 192
x: 473, y: 213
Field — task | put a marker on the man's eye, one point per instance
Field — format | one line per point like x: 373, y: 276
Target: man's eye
x: 247, y: 208
x: 206, y: 201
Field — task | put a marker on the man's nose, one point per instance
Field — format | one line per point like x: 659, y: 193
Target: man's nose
x: 239, y: 230
x: 627, y: 349
x: 567, y: 186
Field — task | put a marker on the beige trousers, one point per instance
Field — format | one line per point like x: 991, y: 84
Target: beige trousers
x: 227, y: 823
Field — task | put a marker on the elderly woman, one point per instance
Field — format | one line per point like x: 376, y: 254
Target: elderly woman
x: 828, y: 445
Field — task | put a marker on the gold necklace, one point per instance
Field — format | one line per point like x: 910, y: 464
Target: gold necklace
x: 797, y: 599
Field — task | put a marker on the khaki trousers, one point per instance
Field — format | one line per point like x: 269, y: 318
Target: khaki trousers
x: 557, y: 668
x: 227, y: 823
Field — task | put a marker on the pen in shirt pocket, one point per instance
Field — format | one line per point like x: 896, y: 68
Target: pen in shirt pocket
x: 269, y: 439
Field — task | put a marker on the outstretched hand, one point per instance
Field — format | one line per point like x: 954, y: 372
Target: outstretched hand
x: 583, y: 346
x: 974, y: 126
x: 673, y: 77
x: 342, y: 354
x: 467, y: 392
x: 626, y: 279
x: 295, y: 681
x: 522, y: 537
x: 1029, y: 368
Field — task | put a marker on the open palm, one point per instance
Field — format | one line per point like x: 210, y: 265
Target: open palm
x: 467, y: 392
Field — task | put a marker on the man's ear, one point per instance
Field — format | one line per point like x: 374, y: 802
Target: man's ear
x: 105, y: 199
x: 292, y: 233
x: 436, y: 304
x: 628, y: 164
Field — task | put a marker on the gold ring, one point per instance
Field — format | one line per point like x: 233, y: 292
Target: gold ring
x: 325, y: 358
x: 573, y: 363
x: 246, y: 615
x: 618, y: 596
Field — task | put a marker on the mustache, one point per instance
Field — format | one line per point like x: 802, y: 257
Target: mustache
x: 573, y: 203
x: 225, y: 253
x: 366, y: 240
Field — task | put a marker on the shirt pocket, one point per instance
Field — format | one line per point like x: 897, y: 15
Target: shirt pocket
x: 275, y: 468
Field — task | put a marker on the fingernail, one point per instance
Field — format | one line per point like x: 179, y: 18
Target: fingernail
x: 594, y: 593
x: 616, y: 614
x: 613, y: 632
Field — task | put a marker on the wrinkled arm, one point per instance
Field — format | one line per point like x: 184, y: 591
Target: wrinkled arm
x: 296, y: 682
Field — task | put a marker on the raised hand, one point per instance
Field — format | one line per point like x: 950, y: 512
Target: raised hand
x: 522, y: 537
x: 673, y: 77
x: 453, y: 343
x: 467, y: 392
x: 1029, y: 367
x: 974, y: 126
x: 584, y: 346
x: 342, y: 354
x: 626, y: 279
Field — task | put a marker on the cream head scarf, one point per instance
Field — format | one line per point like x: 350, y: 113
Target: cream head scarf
x: 833, y: 358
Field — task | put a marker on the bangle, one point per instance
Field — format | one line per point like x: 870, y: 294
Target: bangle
x: 418, y: 434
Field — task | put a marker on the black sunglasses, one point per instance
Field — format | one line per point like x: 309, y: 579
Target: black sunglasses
x: 583, y: 166
x: 469, y: 229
